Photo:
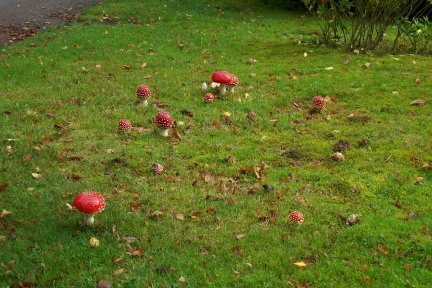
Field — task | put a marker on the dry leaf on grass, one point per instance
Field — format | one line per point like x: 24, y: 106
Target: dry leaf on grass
x: 94, y: 242
x: 4, y: 186
x: 4, y: 213
x: 118, y: 272
x: 300, y: 264
x: 104, y: 284
x: 240, y: 236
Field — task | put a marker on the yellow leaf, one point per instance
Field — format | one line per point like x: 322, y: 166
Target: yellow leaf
x: 36, y: 175
x: 4, y: 213
x: 94, y: 242
x: 182, y: 280
x: 240, y: 236
x: 300, y: 264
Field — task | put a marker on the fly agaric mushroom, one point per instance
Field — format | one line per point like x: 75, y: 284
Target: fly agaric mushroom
x: 89, y: 203
x: 296, y: 217
x: 124, y: 125
x: 223, y: 78
x: 233, y: 82
x: 208, y: 97
x: 318, y: 101
x: 251, y: 115
x: 157, y: 168
x: 143, y: 93
x: 164, y: 122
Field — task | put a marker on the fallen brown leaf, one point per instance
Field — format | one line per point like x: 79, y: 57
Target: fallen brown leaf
x: 240, y: 236
x: 24, y: 284
x: 104, y: 284
x: 154, y: 214
x: 418, y: 102
x: 187, y: 113
x: 4, y: 186
x: 118, y: 272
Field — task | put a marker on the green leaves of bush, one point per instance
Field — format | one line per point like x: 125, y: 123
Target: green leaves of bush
x: 362, y: 24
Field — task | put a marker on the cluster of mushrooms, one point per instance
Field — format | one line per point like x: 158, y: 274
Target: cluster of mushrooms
x: 90, y: 203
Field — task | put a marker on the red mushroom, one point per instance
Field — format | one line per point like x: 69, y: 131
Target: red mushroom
x: 164, y: 122
x: 251, y: 115
x: 296, y: 217
x: 89, y: 203
x: 318, y: 101
x: 209, y: 97
x: 157, y: 168
x: 124, y: 125
x: 233, y: 82
x: 223, y: 78
x: 143, y: 93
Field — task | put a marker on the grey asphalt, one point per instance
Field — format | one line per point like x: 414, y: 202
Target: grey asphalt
x: 36, y: 13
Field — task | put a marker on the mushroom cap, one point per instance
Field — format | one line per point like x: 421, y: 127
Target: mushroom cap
x: 209, y: 97
x: 318, y: 101
x: 222, y: 77
x: 233, y: 80
x: 251, y: 115
x: 143, y: 92
x: 296, y: 217
x: 89, y: 202
x: 157, y: 168
x: 163, y: 120
x: 124, y: 125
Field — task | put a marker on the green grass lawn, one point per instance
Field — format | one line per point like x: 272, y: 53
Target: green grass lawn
x: 64, y: 91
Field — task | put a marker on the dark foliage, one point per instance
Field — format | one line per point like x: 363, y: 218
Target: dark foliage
x: 296, y: 5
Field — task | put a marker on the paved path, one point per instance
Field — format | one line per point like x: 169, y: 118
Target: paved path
x: 21, y: 18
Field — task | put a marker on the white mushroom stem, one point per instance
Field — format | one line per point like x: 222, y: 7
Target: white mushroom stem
x: 222, y: 89
x: 165, y: 132
x: 144, y: 103
x: 231, y: 88
x: 89, y: 219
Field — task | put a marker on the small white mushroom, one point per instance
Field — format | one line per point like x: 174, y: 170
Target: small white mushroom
x: 352, y: 219
x: 338, y: 156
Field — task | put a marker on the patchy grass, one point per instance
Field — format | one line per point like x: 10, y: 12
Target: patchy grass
x: 60, y: 112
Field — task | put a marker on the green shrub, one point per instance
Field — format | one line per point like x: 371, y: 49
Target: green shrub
x: 360, y: 23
